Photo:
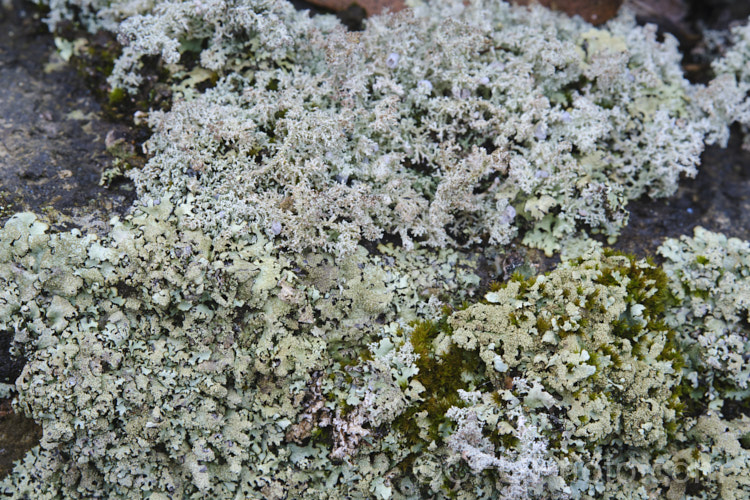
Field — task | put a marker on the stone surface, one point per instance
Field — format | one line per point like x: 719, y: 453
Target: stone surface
x: 52, y: 134
x: 593, y: 11
x: 52, y: 153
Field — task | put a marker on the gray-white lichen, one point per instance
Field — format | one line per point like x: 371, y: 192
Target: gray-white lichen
x: 437, y: 129
x: 451, y: 125
x: 726, y: 98
x: 247, y: 333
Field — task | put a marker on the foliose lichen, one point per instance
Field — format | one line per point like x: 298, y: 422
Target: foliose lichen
x: 167, y: 362
x: 710, y: 276
x: 164, y: 362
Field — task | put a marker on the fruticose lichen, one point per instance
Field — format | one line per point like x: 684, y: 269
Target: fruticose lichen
x: 298, y: 306
x: 727, y: 97
x: 450, y: 125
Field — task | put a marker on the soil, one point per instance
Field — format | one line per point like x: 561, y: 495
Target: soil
x: 52, y: 153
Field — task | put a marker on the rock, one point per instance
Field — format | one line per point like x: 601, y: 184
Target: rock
x: 594, y: 11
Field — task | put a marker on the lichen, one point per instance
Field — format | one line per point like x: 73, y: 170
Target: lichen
x: 591, y: 335
x: 165, y: 361
x: 445, y: 125
x: 293, y: 308
x: 710, y: 276
x: 726, y: 98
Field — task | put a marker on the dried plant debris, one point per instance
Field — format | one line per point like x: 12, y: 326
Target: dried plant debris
x: 297, y: 305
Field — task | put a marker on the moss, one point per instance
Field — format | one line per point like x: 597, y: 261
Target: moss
x: 594, y: 360
x: 322, y: 436
x: 701, y: 294
x: 542, y: 324
x: 671, y: 427
x: 441, y: 376
x: 525, y: 282
x: 406, y: 464
x: 607, y: 278
x: 627, y: 327
x: 702, y: 260
x: 497, y: 397
x: 117, y: 96
x: 610, y: 351
x: 687, y: 401
x: 673, y: 352
x: 513, y: 319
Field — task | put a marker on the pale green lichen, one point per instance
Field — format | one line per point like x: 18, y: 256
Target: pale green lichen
x: 710, y: 276
x: 726, y: 99
x: 593, y: 335
x: 165, y: 361
x: 602, y: 383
